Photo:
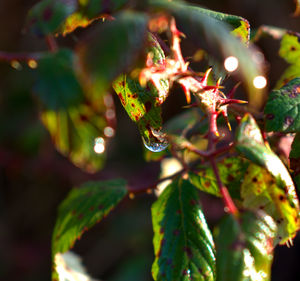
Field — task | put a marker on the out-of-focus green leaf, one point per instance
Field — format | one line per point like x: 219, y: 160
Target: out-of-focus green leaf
x: 143, y: 104
x: 249, y: 142
x: 282, y: 111
x: 82, y: 209
x: 211, y: 34
x: 79, y: 132
x: 245, y: 248
x: 112, y: 49
x: 47, y: 15
x: 232, y: 172
x: 56, y: 84
x: 260, y: 190
x: 93, y: 8
x: 183, y: 244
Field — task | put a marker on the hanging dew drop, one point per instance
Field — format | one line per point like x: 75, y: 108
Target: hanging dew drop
x: 156, y: 147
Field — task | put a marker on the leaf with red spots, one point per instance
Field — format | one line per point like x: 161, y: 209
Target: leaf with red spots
x: 112, y: 48
x: 75, y: 117
x: 231, y: 170
x: 290, y: 52
x: 282, y: 111
x: 183, y: 245
x: 250, y: 143
x: 82, y: 209
x: 245, y: 247
x: 261, y: 190
x: 47, y: 15
x: 143, y: 103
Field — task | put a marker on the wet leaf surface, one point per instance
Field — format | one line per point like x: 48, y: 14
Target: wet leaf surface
x: 142, y: 104
x: 183, y: 245
x: 282, y: 111
x: 83, y: 208
x: 245, y: 248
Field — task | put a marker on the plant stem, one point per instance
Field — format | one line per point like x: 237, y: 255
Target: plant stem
x: 51, y: 42
x: 8, y: 57
x: 224, y: 191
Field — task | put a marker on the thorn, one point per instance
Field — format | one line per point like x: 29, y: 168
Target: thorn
x: 205, y: 76
x: 231, y: 101
x: 232, y: 91
x: 226, y: 119
x: 218, y: 82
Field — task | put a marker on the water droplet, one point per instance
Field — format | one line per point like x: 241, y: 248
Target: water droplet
x: 155, y: 147
x: 231, y: 63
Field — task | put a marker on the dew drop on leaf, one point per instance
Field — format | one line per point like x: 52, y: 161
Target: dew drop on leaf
x: 155, y: 146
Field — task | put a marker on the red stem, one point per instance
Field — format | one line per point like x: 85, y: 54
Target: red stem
x: 51, y: 42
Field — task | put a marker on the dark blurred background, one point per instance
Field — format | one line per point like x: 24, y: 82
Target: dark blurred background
x: 34, y: 178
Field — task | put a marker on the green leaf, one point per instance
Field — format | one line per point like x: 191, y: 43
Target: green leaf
x: 56, y: 84
x: 183, y: 245
x: 112, y: 49
x: 282, y: 111
x: 82, y: 209
x: 231, y: 170
x: 260, y: 190
x: 245, y: 247
x: 213, y: 35
x: 47, y: 15
x: 93, y: 8
x: 77, y: 130
x: 143, y: 104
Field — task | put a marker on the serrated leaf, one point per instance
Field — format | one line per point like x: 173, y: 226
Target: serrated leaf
x: 143, y: 103
x: 211, y: 34
x: 282, y: 111
x: 183, y: 245
x: 231, y: 170
x: 82, y: 209
x: 47, y: 15
x: 249, y: 142
x: 56, y: 83
x: 260, y: 190
x: 75, y: 132
x: 112, y: 49
x: 245, y: 248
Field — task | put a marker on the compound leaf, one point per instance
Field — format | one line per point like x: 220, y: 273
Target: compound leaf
x: 112, y: 49
x: 56, y: 84
x: 47, y: 15
x: 231, y: 170
x: 183, y: 245
x: 245, y: 248
x: 83, y: 208
x: 282, y: 111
